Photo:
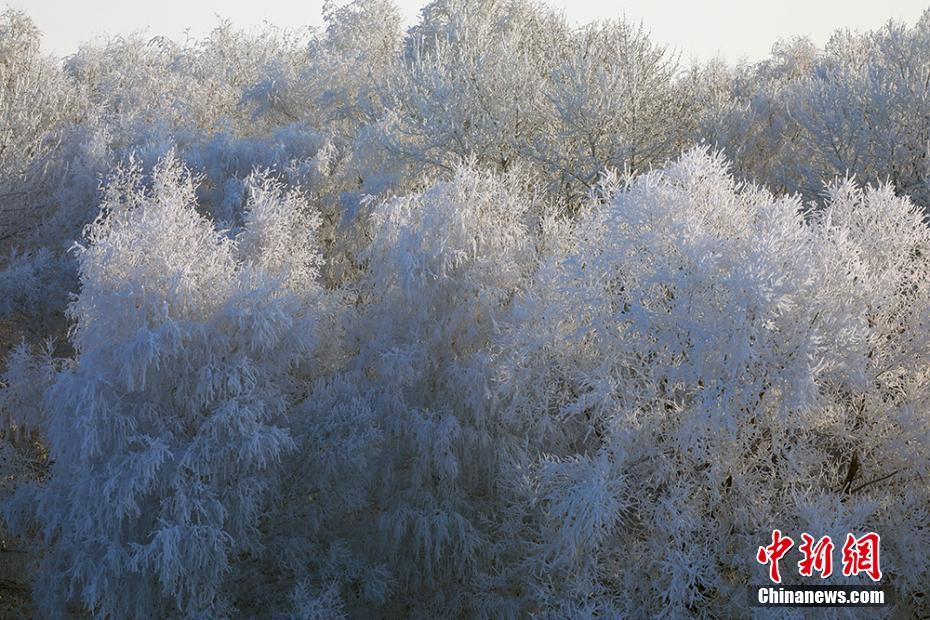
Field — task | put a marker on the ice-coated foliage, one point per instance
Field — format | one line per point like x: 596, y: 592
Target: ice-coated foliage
x: 501, y: 317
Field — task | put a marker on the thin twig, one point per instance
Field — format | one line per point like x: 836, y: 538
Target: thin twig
x: 862, y: 486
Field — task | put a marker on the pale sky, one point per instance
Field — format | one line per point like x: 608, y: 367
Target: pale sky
x: 701, y: 29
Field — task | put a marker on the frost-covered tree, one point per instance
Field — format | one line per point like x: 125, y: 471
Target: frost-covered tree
x: 611, y: 102
x: 805, y: 115
x: 165, y: 427
x: 443, y: 267
x: 864, y: 108
x: 36, y: 104
x: 703, y: 363
x: 509, y: 82
x: 467, y: 87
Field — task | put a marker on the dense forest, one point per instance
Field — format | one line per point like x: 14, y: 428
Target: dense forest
x: 498, y: 316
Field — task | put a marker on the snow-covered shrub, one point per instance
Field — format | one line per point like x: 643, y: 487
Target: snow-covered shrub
x: 165, y: 429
